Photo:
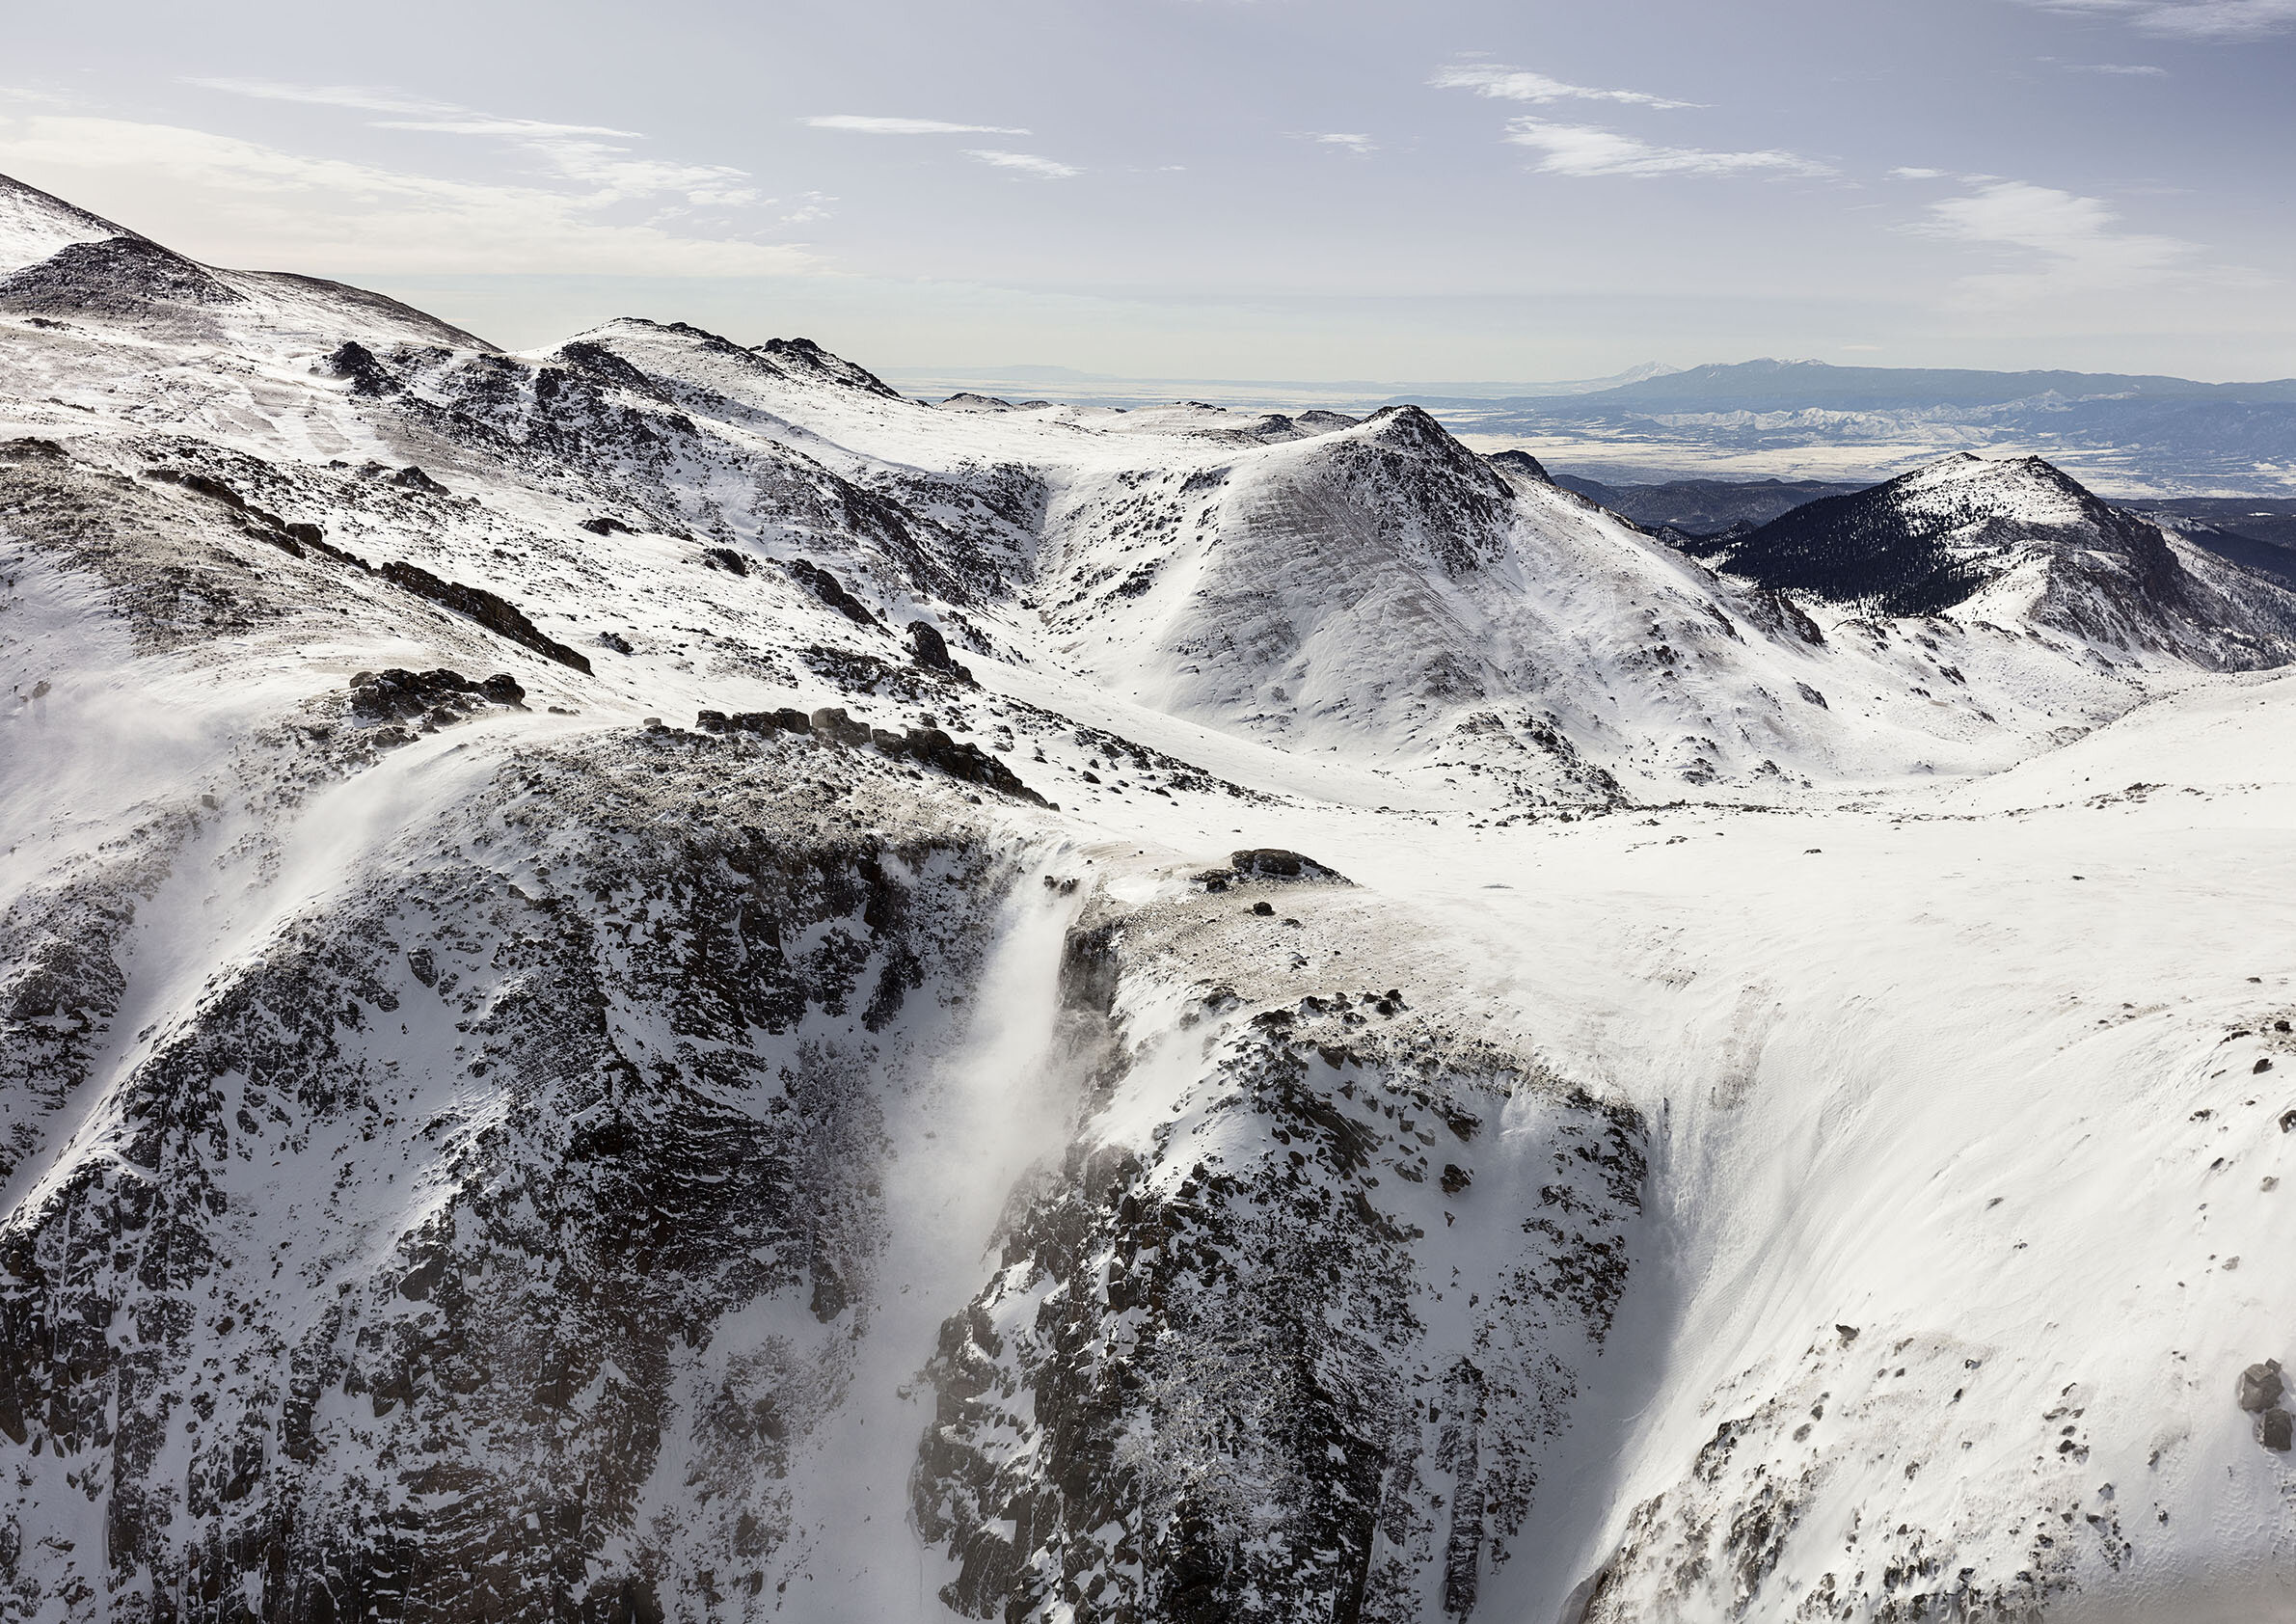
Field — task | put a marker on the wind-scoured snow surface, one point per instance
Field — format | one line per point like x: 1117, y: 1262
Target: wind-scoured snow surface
x: 648, y: 982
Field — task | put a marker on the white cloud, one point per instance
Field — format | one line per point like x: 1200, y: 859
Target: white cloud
x: 1515, y: 84
x: 810, y: 206
x: 2200, y: 19
x: 572, y: 151
x: 2123, y: 69
x: 366, y: 99
x: 237, y: 202
x: 862, y: 124
x: 1356, y: 144
x: 1581, y: 149
x: 1918, y: 174
x: 2054, y: 243
x: 459, y: 122
x: 1027, y: 163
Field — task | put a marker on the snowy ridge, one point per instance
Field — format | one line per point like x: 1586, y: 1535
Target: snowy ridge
x: 34, y: 225
x: 647, y: 982
x: 2008, y: 542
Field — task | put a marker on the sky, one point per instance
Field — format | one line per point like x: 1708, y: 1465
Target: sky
x: 1287, y: 189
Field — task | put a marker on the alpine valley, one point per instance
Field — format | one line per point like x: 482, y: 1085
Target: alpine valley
x: 647, y: 982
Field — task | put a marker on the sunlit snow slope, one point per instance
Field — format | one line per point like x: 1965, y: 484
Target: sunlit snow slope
x: 647, y: 982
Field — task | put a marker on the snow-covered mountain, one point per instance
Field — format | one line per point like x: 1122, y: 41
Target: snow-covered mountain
x: 2018, y: 541
x: 647, y: 981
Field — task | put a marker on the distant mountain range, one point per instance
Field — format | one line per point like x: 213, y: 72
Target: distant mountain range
x: 2129, y: 434
x: 1796, y: 386
x: 1075, y: 388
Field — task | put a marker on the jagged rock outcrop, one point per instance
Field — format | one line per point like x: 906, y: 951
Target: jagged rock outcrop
x: 1275, y: 1381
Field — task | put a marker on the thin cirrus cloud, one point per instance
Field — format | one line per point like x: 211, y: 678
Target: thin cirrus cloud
x: 2118, y: 69
x: 2061, y: 243
x: 864, y: 123
x: 590, y: 155
x: 1585, y: 151
x: 1025, y: 163
x: 2197, y: 19
x: 1359, y: 143
x: 1516, y: 84
x: 242, y: 201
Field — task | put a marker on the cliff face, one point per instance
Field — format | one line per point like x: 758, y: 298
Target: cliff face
x: 397, y: 1274
x: 1287, y: 1331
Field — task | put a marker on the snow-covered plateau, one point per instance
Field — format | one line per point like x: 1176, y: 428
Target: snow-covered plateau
x: 650, y: 983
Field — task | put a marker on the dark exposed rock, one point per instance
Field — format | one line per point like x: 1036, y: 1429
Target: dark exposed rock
x: 832, y: 723
x: 1271, y: 862
x: 783, y: 721
x: 2260, y: 1386
x: 606, y: 366
x: 496, y: 614
x: 926, y: 646
x: 725, y: 559
x: 510, y: 1327
x: 119, y: 276
x: 802, y: 358
x: 1777, y: 613
x: 30, y: 449
x: 2277, y: 1430
x: 1521, y: 463
x: 360, y: 367
x: 929, y: 747
x: 603, y: 526
x: 291, y: 538
x: 399, y: 696
x: 413, y: 479
x: 1207, y: 1392
x: 831, y: 591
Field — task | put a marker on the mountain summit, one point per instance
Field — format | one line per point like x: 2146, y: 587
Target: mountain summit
x: 2020, y: 540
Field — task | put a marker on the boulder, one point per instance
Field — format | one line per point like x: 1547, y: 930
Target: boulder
x: 1269, y: 862
x: 832, y: 723
x: 927, y: 648
x: 2260, y: 1386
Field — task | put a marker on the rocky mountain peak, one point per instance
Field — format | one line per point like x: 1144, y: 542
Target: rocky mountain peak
x: 2016, y: 538
x: 807, y: 360
x: 1523, y: 465
x: 112, y: 275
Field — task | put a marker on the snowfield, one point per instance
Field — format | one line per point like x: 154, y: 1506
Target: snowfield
x: 649, y: 982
